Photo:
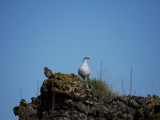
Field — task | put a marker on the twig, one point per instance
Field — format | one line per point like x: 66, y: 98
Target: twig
x: 20, y: 93
x: 37, y: 87
x: 131, y: 81
x: 152, y: 86
x: 122, y: 87
x: 100, y: 92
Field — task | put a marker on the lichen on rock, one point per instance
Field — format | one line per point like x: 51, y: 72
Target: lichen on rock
x: 67, y: 97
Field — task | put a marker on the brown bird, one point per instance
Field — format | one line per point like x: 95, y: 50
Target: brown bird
x: 48, y: 73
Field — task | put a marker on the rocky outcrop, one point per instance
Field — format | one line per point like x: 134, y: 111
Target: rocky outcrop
x: 67, y: 97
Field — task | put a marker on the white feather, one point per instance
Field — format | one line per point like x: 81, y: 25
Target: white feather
x: 84, y: 70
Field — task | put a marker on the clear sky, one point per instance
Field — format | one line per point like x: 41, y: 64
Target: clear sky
x: 59, y: 33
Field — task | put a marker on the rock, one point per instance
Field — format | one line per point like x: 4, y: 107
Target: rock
x: 157, y: 116
x: 67, y: 97
x: 25, y: 111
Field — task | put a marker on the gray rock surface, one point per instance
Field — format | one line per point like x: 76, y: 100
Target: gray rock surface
x: 67, y: 97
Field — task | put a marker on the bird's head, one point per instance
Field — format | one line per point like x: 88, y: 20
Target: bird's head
x: 85, y: 59
x: 45, y: 68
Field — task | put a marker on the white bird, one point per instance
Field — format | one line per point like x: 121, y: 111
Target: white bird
x: 84, y: 70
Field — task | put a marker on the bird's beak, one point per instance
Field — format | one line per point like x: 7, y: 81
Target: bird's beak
x: 88, y: 58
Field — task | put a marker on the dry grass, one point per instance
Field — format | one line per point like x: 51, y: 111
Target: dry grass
x: 101, y: 89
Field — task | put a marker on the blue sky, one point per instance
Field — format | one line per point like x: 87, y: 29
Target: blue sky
x: 58, y: 34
